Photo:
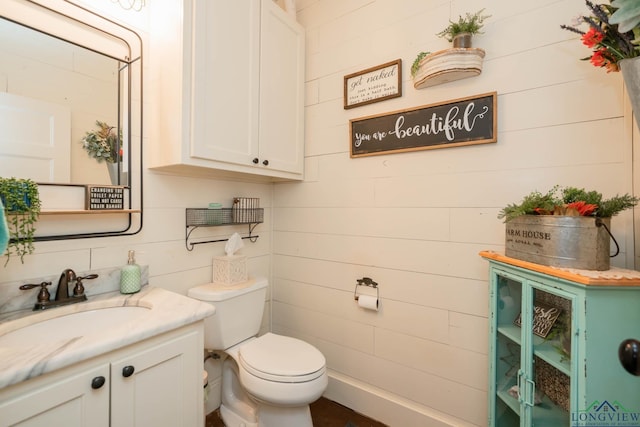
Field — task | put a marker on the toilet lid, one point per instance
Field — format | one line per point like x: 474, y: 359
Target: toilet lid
x: 284, y: 359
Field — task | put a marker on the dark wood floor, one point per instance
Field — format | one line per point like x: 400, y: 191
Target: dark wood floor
x: 324, y: 412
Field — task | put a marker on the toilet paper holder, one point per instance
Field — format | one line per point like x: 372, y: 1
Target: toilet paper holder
x: 365, y: 281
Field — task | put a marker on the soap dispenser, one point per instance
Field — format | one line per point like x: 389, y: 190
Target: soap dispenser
x: 130, y: 276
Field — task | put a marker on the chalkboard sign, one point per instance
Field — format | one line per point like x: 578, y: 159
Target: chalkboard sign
x: 463, y: 121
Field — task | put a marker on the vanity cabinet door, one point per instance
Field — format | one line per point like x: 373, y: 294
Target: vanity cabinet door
x: 65, y: 399
x: 160, y: 385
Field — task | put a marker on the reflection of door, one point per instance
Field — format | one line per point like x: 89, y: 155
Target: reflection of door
x: 35, y: 141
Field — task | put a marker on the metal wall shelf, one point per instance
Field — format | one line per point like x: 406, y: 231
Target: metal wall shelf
x: 203, y: 217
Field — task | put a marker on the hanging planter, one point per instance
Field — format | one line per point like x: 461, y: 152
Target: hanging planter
x: 21, y: 200
x: 105, y: 145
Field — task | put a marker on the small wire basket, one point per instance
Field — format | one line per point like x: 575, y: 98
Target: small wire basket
x: 196, y: 217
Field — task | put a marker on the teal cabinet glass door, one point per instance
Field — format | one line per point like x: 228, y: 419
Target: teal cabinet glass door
x: 532, y: 331
x: 506, y: 369
x: 549, y: 334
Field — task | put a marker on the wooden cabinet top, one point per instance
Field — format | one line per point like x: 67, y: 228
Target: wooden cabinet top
x: 612, y: 277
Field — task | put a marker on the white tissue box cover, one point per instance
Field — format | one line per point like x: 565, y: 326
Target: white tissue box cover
x: 230, y: 269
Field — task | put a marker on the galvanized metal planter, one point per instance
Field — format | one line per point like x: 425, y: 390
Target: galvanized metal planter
x: 559, y: 241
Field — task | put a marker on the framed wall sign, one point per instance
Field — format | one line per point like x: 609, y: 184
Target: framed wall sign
x: 373, y: 84
x: 462, y: 121
x: 103, y: 198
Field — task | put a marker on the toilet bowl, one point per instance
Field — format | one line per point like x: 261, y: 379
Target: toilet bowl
x: 267, y: 381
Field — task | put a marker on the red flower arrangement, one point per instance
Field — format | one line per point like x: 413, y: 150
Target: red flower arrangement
x: 609, y: 44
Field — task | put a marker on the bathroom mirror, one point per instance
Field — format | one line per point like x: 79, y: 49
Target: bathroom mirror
x: 66, y: 72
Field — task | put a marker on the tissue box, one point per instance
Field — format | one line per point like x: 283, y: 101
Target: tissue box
x: 230, y: 269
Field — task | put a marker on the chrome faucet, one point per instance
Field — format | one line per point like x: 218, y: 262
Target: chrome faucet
x: 63, y: 294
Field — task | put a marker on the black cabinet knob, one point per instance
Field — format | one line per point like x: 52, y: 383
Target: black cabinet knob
x: 266, y: 163
x: 127, y: 371
x: 255, y: 160
x: 629, y: 355
x: 97, y: 382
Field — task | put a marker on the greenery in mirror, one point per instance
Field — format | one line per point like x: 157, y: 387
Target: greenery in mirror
x: 21, y: 200
x: 103, y: 144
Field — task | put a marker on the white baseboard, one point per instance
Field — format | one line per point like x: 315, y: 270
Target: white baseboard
x: 385, y: 407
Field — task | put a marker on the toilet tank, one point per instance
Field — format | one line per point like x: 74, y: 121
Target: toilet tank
x: 238, y: 315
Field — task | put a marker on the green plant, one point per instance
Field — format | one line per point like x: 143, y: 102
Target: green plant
x: 560, y: 336
x: 416, y: 63
x: 472, y: 23
x: 569, y: 201
x: 609, y: 39
x: 103, y: 144
x: 627, y: 16
x: 21, y: 200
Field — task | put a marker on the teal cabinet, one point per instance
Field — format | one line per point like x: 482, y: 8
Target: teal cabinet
x: 567, y: 373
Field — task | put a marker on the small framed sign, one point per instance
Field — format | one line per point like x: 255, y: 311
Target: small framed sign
x: 373, y: 84
x: 544, y: 317
x: 102, y: 198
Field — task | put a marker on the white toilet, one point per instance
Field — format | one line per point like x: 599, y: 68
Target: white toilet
x: 267, y: 381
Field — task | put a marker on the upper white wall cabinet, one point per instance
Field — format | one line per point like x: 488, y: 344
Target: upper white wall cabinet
x: 228, y: 89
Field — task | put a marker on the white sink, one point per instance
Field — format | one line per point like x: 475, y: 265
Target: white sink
x: 73, y: 325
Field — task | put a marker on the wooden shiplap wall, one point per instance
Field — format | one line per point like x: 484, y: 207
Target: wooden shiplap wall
x: 415, y: 222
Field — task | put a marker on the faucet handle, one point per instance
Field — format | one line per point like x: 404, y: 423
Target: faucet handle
x: 78, y: 290
x: 43, y: 295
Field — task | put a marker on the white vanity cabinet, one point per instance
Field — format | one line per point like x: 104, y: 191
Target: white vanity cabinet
x: 159, y: 384
x: 60, y: 399
x: 228, y: 88
x: 156, y: 382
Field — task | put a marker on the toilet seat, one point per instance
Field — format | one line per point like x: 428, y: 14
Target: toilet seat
x: 277, y: 358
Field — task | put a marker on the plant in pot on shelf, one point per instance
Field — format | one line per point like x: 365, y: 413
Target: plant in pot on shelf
x: 21, y: 201
x: 104, y: 145
x: 461, y: 32
x: 429, y: 69
x: 612, y: 32
x: 563, y: 227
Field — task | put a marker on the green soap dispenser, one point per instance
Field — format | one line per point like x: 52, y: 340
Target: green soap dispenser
x: 130, y: 276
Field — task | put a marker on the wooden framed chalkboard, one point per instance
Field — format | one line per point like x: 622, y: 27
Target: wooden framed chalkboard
x: 463, y: 121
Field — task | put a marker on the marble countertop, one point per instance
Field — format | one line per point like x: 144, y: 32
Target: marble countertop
x: 167, y: 311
